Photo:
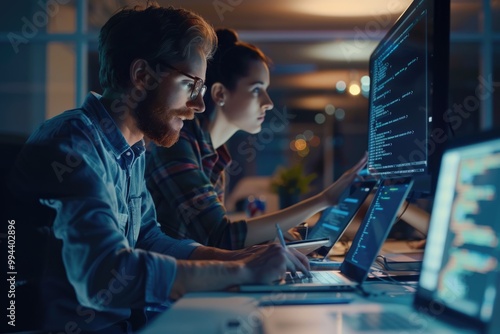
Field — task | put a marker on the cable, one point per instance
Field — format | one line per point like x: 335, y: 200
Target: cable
x: 388, y: 279
x: 402, y: 213
x: 363, y: 292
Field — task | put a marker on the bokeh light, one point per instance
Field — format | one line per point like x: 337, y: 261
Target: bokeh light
x: 341, y: 86
x: 315, y: 141
x: 300, y: 136
x: 340, y: 114
x: 308, y: 134
x: 300, y: 144
x: 320, y: 118
x: 365, y: 80
x: 354, y: 89
x: 329, y: 109
x: 304, y: 152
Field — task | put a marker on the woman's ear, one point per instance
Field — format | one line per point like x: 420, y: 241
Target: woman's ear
x: 218, y: 94
x: 138, y: 73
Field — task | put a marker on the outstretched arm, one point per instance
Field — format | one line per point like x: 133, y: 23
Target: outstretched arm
x: 415, y: 216
x: 261, y: 229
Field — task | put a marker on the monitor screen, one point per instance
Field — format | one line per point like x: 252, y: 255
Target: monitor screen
x: 335, y: 220
x: 461, y: 259
x: 408, y: 93
x: 375, y: 227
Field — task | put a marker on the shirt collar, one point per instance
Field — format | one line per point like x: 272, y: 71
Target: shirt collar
x: 93, y: 108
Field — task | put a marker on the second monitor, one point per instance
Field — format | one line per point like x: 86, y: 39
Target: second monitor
x: 409, y: 95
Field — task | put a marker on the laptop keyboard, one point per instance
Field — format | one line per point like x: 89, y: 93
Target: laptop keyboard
x: 322, y: 277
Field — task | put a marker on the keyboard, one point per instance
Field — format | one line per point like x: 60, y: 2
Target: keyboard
x: 324, y: 264
x: 321, y: 277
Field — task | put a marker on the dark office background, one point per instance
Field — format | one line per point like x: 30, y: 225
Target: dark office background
x: 48, y: 53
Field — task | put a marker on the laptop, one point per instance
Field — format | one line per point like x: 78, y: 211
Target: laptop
x: 367, y: 242
x: 334, y: 220
x: 458, y: 290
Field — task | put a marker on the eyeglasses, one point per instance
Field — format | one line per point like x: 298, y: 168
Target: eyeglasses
x: 198, y: 87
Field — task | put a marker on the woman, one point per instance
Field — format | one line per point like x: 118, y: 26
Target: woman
x: 187, y: 180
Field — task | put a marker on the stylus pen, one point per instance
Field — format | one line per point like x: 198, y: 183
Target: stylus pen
x: 295, y: 261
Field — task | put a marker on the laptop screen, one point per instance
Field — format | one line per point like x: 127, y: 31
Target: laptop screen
x: 334, y: 220
x: 460, y: 267
x: 375, y: 227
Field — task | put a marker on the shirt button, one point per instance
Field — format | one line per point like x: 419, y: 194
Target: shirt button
x: 128, y: 154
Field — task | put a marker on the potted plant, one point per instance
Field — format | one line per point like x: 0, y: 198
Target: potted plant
x: 290, y: 183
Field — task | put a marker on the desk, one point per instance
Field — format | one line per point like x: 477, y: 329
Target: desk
x: 232, y: 313
x: 210, y: 313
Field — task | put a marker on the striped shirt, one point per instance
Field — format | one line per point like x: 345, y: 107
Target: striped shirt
x: 186, y: 182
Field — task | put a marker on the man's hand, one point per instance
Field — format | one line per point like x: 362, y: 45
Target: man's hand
x: 271, y: 264
x: 295, y: 260
x: 211, y: 269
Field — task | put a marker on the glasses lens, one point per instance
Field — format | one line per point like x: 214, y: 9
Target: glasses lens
x: 198, y: 87
x: 203, y: 90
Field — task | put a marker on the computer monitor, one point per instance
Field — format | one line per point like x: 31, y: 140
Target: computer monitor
x: 409, y: 95
x: 460, y: 269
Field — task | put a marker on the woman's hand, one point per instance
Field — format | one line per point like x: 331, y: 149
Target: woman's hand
x: 333, y: 192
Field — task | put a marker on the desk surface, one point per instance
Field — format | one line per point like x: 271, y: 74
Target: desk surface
x: 232, y: 313
x: 216, y: 312
x: 222, y: 312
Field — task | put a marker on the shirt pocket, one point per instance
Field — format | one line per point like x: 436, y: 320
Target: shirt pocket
x: 135, y: 217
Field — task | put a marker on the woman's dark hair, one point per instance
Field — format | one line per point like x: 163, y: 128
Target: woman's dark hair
x: 154, y: 34
x: 230, y: 63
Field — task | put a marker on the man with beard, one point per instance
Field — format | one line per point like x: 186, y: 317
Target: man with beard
x: 106, y: 258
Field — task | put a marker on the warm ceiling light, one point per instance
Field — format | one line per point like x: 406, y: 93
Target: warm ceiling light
x: 357, y: 8
x: 347, y: 50
x: 354, y: 89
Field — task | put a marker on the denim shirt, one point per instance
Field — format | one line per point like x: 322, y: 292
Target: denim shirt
x: 114, y: 255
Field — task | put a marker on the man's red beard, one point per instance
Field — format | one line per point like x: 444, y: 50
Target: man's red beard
x: 153, y: 119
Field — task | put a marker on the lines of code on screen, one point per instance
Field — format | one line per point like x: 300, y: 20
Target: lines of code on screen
x: 399, y: 101
x: 469, y: 271
x: 376, y: 224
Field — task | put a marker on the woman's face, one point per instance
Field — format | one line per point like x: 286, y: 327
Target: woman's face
x: 246, y: 106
